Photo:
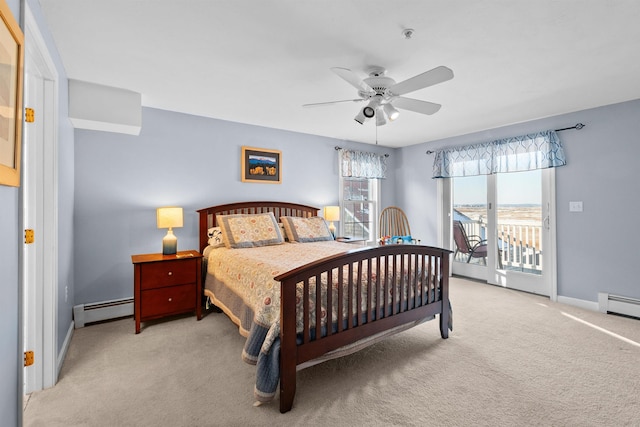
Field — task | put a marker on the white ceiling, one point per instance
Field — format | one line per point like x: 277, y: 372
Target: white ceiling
x: 258, y: 61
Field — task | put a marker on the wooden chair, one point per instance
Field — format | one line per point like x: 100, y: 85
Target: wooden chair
x: 471, y: 246
x: 394, y: 222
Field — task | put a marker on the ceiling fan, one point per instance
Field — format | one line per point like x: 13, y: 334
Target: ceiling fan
x: 384, y: 94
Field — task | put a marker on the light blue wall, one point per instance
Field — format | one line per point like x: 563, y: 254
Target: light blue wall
x: 9, y: 303
x: 416, y: 193
x: 182, y: 160
x: 597, y: 247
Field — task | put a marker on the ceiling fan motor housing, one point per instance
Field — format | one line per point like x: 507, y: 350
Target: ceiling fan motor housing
x: 380, y: 84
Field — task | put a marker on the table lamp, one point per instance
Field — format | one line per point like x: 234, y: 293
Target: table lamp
x: 169, y: 217
x: 332, y: 213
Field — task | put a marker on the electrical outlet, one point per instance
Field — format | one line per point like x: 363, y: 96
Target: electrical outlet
x: 575, y: 206
x: 66, y: 293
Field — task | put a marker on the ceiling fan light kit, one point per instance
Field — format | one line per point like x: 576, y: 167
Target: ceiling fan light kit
x: 360, y: 118
x: 368, y: 112
x: 391, y: 111
x: 382, y: 92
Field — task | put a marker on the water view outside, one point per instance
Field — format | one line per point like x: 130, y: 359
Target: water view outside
x: 518, y: 214
x: 508, y: 215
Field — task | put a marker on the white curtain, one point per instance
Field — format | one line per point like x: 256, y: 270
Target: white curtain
x: 521, y: 153
x: 359, y: 164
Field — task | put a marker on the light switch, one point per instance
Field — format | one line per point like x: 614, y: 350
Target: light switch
x: 575, y: 206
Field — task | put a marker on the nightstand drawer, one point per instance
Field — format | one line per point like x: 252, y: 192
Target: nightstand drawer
x: 168, y: 300
x: 168, y: 273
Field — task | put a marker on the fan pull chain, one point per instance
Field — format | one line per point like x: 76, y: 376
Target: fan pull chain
x: 376, y: 134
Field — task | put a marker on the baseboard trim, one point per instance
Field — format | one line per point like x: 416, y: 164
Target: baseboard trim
x: 63, y: 351
x: 588, y: 305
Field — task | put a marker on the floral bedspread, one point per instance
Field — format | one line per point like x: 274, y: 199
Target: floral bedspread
x: 249, y: 272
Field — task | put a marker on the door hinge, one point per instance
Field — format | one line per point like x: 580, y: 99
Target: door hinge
x: 28, y: 358
x: 29, y: 115
x: 29, y: 236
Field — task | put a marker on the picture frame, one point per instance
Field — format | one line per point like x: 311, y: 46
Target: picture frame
x: 261, y: 165
x: 11, y: 71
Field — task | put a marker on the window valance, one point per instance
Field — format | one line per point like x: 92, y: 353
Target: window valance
x: 359, y: 164
x: 521, y: 153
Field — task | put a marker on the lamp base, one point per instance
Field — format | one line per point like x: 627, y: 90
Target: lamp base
x: 169, y: 243
x: 332, y: 229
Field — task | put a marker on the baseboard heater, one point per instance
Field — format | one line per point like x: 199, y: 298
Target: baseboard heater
x: 84, y: 314
x: 608, y: 303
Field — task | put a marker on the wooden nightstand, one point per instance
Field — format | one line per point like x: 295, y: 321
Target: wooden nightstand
x: 166, y: 284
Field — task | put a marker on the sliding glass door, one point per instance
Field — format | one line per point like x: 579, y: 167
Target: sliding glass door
x: 469, y: 226
x: 501, y: 227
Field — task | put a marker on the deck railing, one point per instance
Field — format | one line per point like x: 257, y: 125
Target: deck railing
x: 519, y: 245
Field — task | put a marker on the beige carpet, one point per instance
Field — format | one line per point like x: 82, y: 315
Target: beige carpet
x: 513, y: 359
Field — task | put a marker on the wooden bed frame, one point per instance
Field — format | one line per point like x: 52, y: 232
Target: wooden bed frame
x: 427, y: 280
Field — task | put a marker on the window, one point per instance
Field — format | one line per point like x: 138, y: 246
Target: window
x: 360, y: 193
x: 359, y: 207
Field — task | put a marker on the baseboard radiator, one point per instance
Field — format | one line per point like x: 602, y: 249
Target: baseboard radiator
x: 608, y: 303
x: 84, y: 314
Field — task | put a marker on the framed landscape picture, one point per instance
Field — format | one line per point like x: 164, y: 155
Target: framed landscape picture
x: 11, y: 59
x: 261, y: 165
x: 11, y: 50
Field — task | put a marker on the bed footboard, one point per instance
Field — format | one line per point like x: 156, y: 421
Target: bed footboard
x: 362, y: 293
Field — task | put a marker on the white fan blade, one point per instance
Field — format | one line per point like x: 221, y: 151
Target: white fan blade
x: 321, y: 104
x: 422, y: 107
x: 350, y: 77
x: 426, y: 79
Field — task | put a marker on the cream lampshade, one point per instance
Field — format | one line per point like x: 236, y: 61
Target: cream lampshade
x: 169, y: 217
x: 332, y: 213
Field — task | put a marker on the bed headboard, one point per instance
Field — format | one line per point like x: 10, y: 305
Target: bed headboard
x: 208, y: 216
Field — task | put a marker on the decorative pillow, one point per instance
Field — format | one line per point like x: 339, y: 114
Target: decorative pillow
x: 402, y: 239
x: 215, y: 237
x: 250, y: 230
x: 304, y: 230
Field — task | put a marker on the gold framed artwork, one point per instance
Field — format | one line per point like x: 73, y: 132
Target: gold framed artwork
x: 11, y: 63
x: 261, y: 165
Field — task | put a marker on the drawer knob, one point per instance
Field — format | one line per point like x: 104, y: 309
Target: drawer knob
x: 170, y: 299
x: 170, y: 273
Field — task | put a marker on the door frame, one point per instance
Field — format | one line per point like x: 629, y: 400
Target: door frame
x: 40, y: 297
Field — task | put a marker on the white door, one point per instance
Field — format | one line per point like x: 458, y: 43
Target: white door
x: 32, y: 188
x: 39, y: 213
x: 509, y: 221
